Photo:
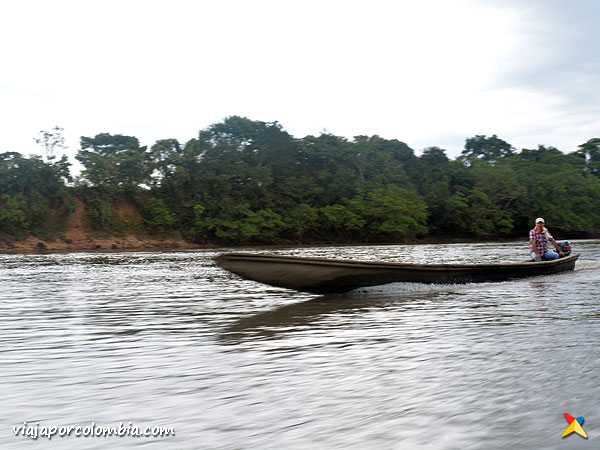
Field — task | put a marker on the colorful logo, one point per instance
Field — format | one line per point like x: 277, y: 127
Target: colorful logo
x: 574, y: 426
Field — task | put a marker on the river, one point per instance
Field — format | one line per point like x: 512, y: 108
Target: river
x: 168, y: 339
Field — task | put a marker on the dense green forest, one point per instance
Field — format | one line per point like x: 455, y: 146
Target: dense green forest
x: 250, y: 182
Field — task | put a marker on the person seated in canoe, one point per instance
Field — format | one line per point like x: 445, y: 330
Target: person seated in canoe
x: 538, y: 243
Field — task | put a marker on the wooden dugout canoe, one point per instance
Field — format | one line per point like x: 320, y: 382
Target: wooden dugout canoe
x: 330, y: 276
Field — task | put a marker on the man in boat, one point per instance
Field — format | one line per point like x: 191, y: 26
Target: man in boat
x: 538, y: 243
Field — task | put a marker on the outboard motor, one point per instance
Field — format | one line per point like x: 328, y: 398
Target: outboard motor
x: 565, y: 246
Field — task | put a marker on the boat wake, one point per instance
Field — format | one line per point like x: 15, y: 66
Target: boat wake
x: 587, y: 264
x: 583, y: 267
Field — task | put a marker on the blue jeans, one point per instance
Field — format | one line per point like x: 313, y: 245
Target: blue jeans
x: 548, y: 256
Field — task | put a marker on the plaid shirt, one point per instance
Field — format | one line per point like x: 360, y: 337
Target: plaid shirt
x: 540, y: 239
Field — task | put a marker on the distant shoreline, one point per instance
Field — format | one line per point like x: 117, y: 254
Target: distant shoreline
x: 131, y: 243
x: 128, y: 243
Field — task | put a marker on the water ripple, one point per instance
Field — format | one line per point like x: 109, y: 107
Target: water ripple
x: 170, y: 339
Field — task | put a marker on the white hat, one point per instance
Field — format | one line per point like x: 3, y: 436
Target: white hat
x: 540, y: 219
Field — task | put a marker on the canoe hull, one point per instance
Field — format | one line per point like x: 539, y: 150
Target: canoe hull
x: 327, y: 276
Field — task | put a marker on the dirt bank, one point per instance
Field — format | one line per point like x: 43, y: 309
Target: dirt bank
x: 82, y: 242
x: 77, y: 238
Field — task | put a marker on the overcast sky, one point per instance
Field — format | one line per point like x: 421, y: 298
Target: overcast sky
x: 426, y: 72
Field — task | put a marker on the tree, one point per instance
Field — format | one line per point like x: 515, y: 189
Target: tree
x: 432, y: 176
x: 33, y: 197
x: 387, y: 213
x: 165, y: 156
x: 490, y: 149
x: 327, y: 170
x: 114, y: 161
x: 558, y: 189
x: 157, y: 218
x: 239, y: 224
x: 52, y: 141
x: 382, y: 161
x: 391, y: 212
x: 590, y: 151
x: 13, y: 217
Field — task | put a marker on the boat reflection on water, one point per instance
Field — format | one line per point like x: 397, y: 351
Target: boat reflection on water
x: 291, y: 317
x: 309, y: 313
